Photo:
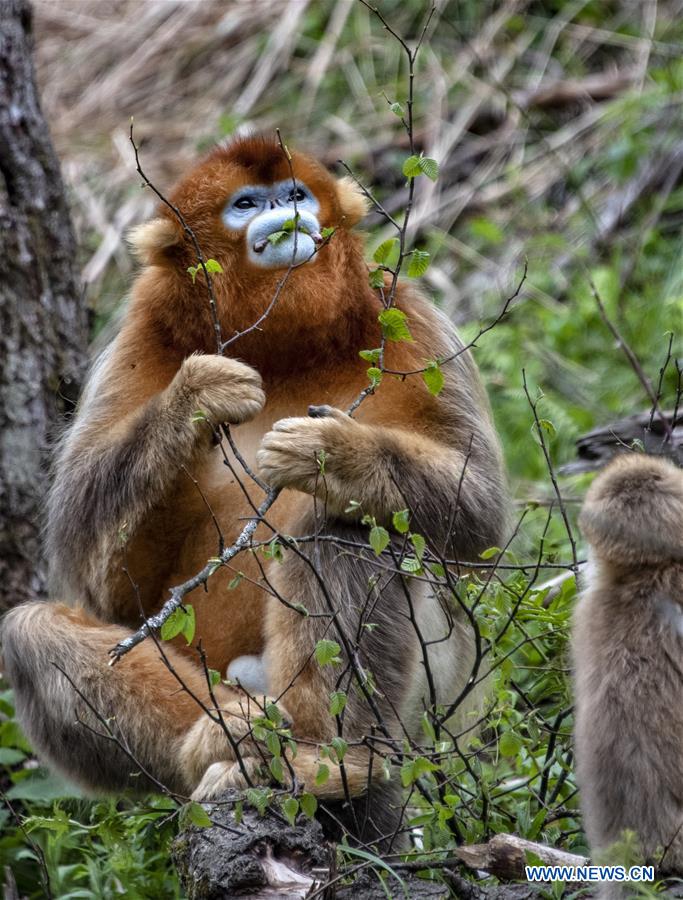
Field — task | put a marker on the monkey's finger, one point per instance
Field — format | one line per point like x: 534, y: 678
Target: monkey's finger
x: 328, y: 412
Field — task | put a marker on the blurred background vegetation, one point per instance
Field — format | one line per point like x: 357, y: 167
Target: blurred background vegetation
x: 558, y: 128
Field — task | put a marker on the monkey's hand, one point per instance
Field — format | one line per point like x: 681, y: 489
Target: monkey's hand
x: 224, y: 389
x: 312, y: 454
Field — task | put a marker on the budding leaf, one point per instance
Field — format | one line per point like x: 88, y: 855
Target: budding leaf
x: 196, y: 815
x: 173, y: 625
x: 419, y: 544
x: 322, y: 774
x: 411, y: 167
x: 327, y: 652
x: 290, y: 808
x: 394, y: 327
x: 400, y: 520
x: 433, y: 377
x: 383, y: 252
x: 308, y: 804
x: 327, y: 233
x: 418, y: 263
x: 340, y: 747
x: 371, y: 356
x: 375, y: 376
x: 396, y: 109
x: 376, y: 279
x: 379, y: 539
x: 214, y: 677
x: 189, y: 624
x: 337, y: 702
x: 193, y: 272
x: 429, y: 167
x: 491, y: 551
x: 276, y: 770
x: 213, y: 266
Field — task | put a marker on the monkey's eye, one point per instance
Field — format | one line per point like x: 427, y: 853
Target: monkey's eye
x: 297, y: 195
x: 244, y: 203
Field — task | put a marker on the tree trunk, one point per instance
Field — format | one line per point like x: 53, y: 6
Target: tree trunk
x: 43, y: 330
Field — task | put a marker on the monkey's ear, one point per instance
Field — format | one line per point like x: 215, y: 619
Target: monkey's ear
x: 153, y: 237
x: 354, y: 204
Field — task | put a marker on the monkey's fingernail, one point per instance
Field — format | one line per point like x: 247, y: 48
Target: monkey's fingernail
x: 260, y: 246
x: 319, y: 412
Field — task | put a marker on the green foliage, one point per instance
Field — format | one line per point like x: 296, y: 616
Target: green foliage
x: 327, y: 653
x: 101, y: 848
x: 181, y: 621
x: 394, y: 324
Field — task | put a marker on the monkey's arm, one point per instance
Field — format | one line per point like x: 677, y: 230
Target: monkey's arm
x: 120, y: 462
x: 385, y: 469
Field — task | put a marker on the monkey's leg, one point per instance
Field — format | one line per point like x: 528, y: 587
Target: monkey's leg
x: 108, y: 728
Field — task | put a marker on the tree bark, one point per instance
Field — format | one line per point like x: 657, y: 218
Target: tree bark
x: 43, y: 328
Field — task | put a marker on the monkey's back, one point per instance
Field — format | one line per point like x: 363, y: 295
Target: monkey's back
x: 628, y: 668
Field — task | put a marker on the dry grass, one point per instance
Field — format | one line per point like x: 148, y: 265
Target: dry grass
x: 514, y: 99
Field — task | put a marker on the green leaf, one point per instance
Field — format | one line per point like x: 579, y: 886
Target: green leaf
x: 394, y: 327
x: 308, y: 804
x: 489, y: 553
x: 548, y: 427
x: 433, y: 378
x: 189, y: 624
x: 383, y: 252
x: 371, y: 356
x: 411, y: 167
x: 273, y: 743
x: 196, y: 815
x: 327, y: 652
x: 379, y: 539
x: 429, y: 167
x: 10, y: 757
x: 276, y: 770
x: 337, y: 702
x: 418, y: 263
x: 192, y: 270
x: 376, y: 279
x: 437, y: 569
x: 340, y: 747
x: 510, y: 744
x: 174, y: 625
x: 411, y: 565
x: 259, y: 798
x: 419, y: 544
x: 213, y: 266
x: 396, y: 109
x: 232, y: 584
x: 401, y: 520
x: 322, y: 774
x: 414, y: 769
x: 214, y: 677
x: 277, y: 237
x: 327, y: 233
x: 374, y: 376
x: 290, y: 807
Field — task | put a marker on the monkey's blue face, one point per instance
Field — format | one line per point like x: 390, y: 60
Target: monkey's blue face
x: 276, y: 237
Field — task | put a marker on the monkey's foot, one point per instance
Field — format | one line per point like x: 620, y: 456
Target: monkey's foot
x: 224, y: 776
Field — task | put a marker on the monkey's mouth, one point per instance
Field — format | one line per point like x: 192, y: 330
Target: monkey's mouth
x: 278, y: 239
x: 261, y: 245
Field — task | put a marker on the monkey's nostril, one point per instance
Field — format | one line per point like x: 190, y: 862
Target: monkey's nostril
x: 261, y: 245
